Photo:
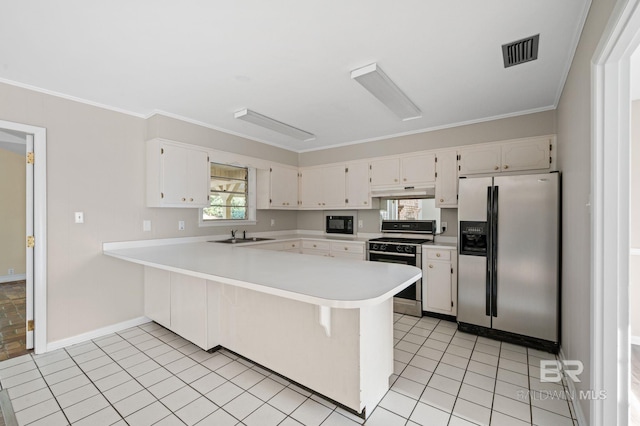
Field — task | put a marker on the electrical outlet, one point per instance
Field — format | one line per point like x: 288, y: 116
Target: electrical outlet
x: 146, y: 225
x: 273, y: 222
x: 181, y: 225
x: 443, y: 225
x: 11, y: 271
x: 360, y: 224
x: 79, y: 217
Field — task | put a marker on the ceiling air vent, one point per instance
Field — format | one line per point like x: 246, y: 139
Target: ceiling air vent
x: 521, y: 51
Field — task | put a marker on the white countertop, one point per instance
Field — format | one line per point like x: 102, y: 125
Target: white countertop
x: 332, y: 282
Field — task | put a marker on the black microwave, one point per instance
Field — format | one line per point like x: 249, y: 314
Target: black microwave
x: 339, y: 225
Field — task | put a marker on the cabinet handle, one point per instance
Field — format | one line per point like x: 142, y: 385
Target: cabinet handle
x: 442, y: 200
x: 323, y: 204
x: 496, y: 168
x: 346, y: 248
x: 184, y: 199
x: 506, y: 167
x: 319, y: 204
x: 365, y: 202
x: 190, y: 199
x: 430, y: 266
x: 314, y: 246
x: 405, y: 179
x: 437, y: 254
x: 395, y: 180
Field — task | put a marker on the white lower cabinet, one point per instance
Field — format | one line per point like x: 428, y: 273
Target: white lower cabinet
x: 189, y: 308
x: 439, y: 281
x: 157, y: 296
x: 348, y: 250
x: 317, y: 247
x: 179, y: 303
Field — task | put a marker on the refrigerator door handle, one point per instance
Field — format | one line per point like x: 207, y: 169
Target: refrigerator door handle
x: 489, y: 275
x: 494, y: 253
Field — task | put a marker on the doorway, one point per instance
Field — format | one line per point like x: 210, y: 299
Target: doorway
x: 611, y: 186
x: 34, y: 235
x: 13, y: 258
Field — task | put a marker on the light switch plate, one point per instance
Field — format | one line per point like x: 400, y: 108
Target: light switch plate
x: 360, y: 224
x: 79, y: 217
x: 181, y: 225
x: 146, y: 225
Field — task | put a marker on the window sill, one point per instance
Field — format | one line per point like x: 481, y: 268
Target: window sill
x: 227, y: 222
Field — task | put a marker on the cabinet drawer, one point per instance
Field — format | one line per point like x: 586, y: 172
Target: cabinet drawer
x: 290, y: 245
x: 347, y: 248
x: 439, y: 254
x: 316, y: 245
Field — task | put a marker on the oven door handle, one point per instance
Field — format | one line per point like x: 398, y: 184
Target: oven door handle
x: 392, y: 254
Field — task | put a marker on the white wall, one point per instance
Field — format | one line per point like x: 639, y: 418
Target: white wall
x: 522, y: 126
x: 96, y: 164
x: 574, y: 160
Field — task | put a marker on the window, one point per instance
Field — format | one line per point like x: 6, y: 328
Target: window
x: 231, y: 195
x: 410, y: 209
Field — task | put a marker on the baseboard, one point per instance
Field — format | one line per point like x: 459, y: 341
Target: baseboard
x: 84, y: 337
x: 577, y: 408
x: 13, y: 277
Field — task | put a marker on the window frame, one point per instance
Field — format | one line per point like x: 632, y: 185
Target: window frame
x: 251, y: 202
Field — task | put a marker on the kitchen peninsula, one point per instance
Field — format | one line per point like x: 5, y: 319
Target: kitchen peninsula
x: 326, y: 323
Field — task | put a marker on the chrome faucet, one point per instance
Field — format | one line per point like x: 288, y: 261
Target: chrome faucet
x: 244, y: 235
x: 233, y: 233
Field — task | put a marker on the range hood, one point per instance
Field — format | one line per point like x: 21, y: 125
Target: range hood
x: 404, y: 192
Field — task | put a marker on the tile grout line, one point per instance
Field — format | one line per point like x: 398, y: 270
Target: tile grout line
x: 52, y: 394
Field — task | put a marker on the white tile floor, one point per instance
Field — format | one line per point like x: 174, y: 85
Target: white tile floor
x: 148, y: 375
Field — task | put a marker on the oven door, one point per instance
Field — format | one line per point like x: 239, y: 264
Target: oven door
x: 414, y: 291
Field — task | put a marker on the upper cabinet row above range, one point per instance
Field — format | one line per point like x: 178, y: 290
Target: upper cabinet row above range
x: 178, y: 174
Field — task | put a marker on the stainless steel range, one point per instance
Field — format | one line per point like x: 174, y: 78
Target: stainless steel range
x: 402, y: 243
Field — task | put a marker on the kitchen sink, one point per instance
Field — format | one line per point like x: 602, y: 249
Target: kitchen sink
x: 240, y: 240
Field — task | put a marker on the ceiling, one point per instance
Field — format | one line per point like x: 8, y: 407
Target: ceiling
x: 291, y: 60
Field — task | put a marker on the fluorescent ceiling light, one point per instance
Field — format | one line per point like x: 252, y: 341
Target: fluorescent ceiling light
x: 275, y: 125
x: 380, y: 85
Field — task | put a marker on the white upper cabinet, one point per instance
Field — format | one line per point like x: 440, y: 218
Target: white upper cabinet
x: 385, y: 172
x: 481, y: 159
x: 447, y: 179
x: 177, y: 175
x: 357, y: 186
x: 418, y: 169
x: 322, y: 187
x: 403, y: 171
x: 514, y: 156
x: 530, y: 155
x: 277, y: 188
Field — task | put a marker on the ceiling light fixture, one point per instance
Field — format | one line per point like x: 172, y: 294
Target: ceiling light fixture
x: 275, y: 125
x: 372, y: 78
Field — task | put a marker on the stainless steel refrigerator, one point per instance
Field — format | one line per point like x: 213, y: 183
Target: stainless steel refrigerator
x: 508, y: 258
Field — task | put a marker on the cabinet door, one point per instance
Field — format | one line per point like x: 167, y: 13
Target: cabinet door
x: 418, y: 169
x: 189, y: 308
x: 334, y: 186
x: 438, y: 296
x: 485, y: 159
x: 198, y: 178
x: 385, y: 172
x: 526, y: 155
x: 357, y: 185
x: 447, y: 179
x: 311, y: 188
x: 284, y: 187
x: 173, y: 172
x: 157, y: 295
